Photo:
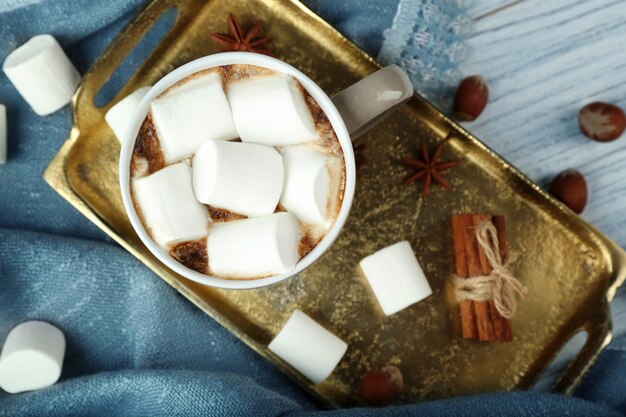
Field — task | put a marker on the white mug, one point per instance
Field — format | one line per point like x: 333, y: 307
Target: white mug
x: 350, y: 112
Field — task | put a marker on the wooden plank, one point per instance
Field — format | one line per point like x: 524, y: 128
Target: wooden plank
x: 482, y: 9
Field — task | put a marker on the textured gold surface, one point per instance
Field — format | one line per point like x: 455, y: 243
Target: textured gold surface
x: 571, y: 270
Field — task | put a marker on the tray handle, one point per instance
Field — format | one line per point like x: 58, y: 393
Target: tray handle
x: 85, y: 110
x: 598, y: 326
x: 598, y: 330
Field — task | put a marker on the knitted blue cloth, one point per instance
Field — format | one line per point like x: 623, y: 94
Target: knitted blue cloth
x: 427, y: 39
x: 134, y: 346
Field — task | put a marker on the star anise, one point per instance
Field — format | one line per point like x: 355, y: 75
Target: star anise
x: 429, y: 169
x: 237, y: 40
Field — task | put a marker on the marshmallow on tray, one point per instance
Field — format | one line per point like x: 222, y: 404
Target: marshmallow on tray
x: 271, y: 110
x: 170, y: 211
x: 396, y: 277
x: 191, y: 113
x: 32, y: 357
x: 254, y: 248
x: 119, y: 115
x: 307, y: 191
x: 42, y: 74
x: 308, y: 347
x: 3, y: 134
x: 245, y: 178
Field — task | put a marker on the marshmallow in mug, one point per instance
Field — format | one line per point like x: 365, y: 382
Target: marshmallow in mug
x: 119, y: 115
x: 396, y: 277
x: 308, y: 347
x: 188, y: 114
x: 271, y: 110
x: 169, y: 207
x: 32, y: 357
x: 245, y: 178
x: 254, y: 248
x: 308, y: 191
x: 42, y: 74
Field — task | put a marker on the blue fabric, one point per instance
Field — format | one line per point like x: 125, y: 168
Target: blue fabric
x: 27, y: 202
x: 427, y: 38
x: 134, y: 346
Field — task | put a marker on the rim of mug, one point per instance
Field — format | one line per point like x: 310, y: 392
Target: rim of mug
x: 216, y: 60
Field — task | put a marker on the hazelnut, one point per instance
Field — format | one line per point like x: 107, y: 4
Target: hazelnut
x: 471, y: 98
x: 603, y: 122
x: 381, y: 385
x: 570, y: 188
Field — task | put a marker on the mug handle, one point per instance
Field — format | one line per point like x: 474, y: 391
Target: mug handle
x: 368, y: 101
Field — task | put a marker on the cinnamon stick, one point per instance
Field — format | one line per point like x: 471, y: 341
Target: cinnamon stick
x: 479, y: 319
x: 500, y: 223
x: 484, y: 321
x: 485, y: 269
x: 467, y: 313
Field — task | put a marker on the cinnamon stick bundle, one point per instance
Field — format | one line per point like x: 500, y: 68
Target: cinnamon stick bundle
x: 479, y: 319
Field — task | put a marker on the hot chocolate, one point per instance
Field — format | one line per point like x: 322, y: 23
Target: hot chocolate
x: 237, y: 172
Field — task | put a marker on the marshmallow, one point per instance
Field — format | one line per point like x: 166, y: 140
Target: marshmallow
x: 191, y: 113
x: 32, y: 357
x: 307, y: 190
x: 169, y: 208
x: 3, y: 134
x: 308, y: 347
x: 254, y: 248
x: 396, y: 277
x: 119, y: 115
x: 245, y: 178
x: 271, y: 110
x: 42, y: 74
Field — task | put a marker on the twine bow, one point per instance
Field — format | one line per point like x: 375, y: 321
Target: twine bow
x: 500, y: 285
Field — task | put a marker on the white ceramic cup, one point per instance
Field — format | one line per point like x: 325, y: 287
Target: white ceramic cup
x: 350, y: 112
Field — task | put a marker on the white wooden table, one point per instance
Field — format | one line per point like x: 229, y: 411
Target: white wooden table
x: 543, y: 60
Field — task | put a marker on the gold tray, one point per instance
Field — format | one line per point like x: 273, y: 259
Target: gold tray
x: 571, y: 270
